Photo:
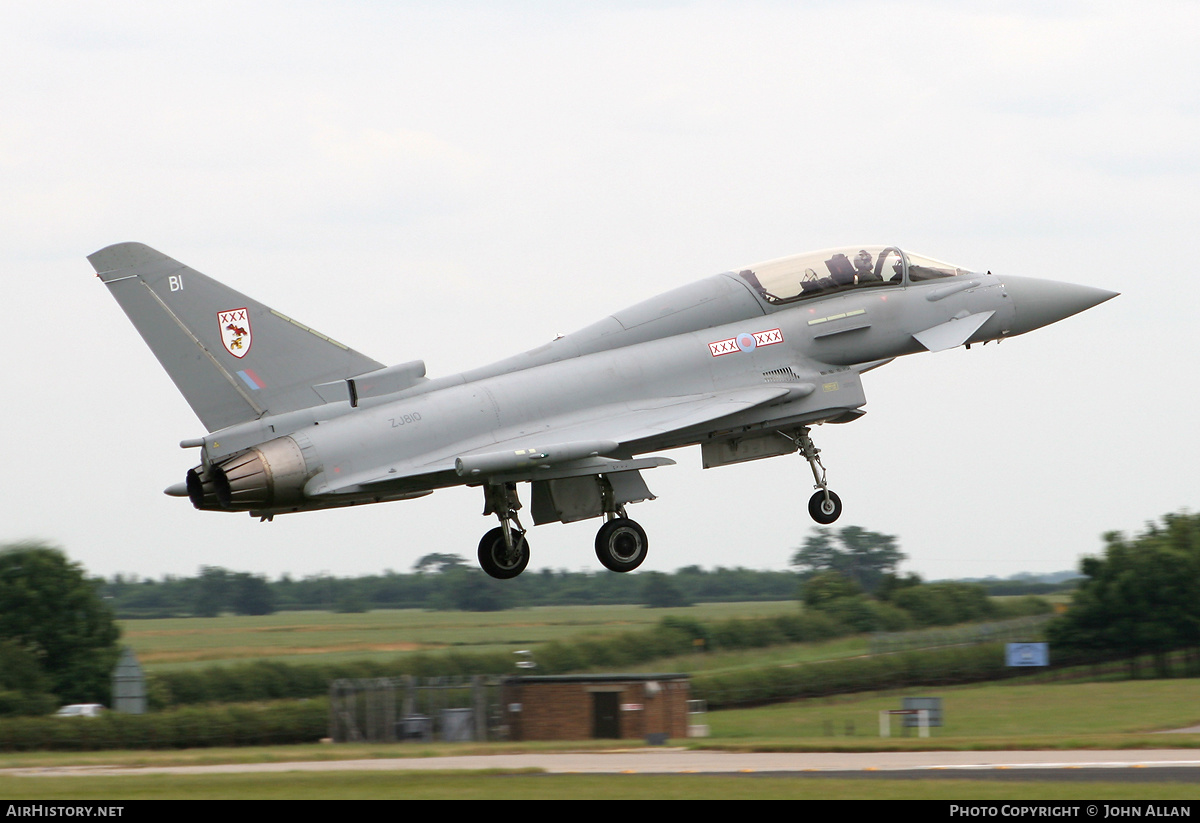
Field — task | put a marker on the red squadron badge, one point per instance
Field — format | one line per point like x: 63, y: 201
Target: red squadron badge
x: 235, y: 331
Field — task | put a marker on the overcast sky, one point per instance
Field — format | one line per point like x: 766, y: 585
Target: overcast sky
x: 458, y: 182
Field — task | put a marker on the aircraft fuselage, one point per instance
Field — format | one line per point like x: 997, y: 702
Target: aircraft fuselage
x: 741, y: 363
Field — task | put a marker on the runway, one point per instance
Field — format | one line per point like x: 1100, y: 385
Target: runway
x: 1172, y: 765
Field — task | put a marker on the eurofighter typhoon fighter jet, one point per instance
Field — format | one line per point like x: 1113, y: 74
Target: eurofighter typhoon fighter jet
x: 742, y: 364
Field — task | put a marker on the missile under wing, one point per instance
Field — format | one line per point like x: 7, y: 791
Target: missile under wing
x: 742, y: 364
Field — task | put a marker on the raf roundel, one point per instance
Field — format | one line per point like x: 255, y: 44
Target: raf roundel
x: 746, y: 342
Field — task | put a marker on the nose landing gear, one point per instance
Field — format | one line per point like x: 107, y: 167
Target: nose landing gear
x: 824, y: 507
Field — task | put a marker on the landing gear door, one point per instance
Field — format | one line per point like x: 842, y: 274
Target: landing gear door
x: 568, y: 499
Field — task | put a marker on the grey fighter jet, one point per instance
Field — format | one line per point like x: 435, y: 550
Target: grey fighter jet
x: 742, y: 364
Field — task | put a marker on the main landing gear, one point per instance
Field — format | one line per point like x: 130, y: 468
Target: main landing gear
x: 824, y: 507
x: 621, y: 543
x: 504, y: 552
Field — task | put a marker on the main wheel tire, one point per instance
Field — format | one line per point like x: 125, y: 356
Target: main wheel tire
x: 824, y: 511
x: 495, y: 558
x: 621, y: 545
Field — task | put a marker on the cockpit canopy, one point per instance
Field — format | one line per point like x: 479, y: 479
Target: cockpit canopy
x: 833, y: 270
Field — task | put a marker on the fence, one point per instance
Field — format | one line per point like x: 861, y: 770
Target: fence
x: 396, y: 709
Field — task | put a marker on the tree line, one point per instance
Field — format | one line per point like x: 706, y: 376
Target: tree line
x: 851, y: 575
x: 436, y: 582
x: 446, y: 581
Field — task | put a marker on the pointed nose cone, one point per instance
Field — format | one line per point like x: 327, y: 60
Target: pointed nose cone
x: 1038, y: 303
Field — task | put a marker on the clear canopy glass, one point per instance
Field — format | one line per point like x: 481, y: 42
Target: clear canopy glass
x: 833, y: 270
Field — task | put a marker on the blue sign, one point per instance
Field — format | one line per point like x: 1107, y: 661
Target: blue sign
x: 1027, y: 654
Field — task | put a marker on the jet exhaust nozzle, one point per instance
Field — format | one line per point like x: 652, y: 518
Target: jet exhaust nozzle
x: 201, y: 488
x: 267, y: 476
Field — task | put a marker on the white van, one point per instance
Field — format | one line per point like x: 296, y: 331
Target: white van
x: 80, y: 710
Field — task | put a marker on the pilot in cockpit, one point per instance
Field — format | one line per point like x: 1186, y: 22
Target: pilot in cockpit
x: 863, y: 267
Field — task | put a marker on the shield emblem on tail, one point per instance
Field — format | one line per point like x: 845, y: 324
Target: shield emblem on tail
x: 235, y: 331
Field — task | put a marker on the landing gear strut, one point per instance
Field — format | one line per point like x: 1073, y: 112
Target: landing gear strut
x: 824, y: 507
x: 503, y: 551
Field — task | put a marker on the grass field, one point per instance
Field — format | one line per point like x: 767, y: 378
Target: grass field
x: 1006, y: 715
x: 326, y: 636
x: 1011, y: 715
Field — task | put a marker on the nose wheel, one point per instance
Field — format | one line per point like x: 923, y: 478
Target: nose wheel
x: 825, y: 507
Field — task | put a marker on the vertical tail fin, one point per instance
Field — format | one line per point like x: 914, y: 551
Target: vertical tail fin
x: 233, y: 358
